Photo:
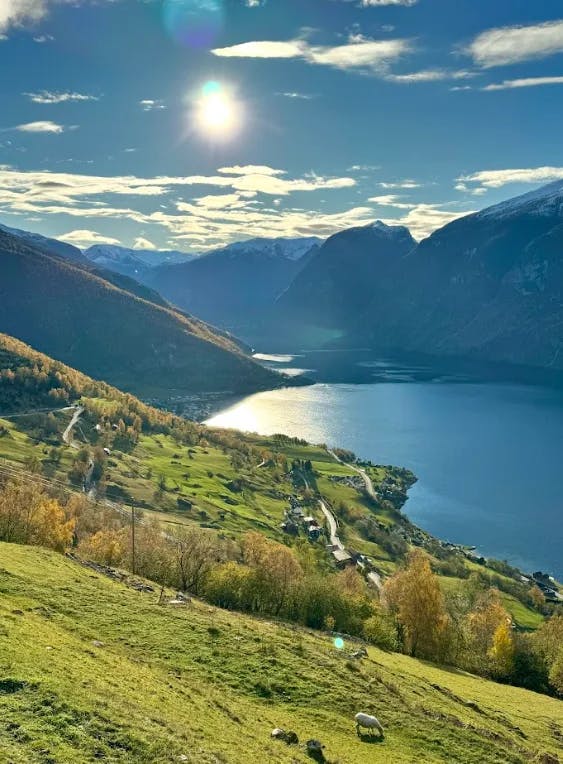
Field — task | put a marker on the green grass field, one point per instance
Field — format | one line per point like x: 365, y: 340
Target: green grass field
x: 92, y: 670
x: 198, y: 487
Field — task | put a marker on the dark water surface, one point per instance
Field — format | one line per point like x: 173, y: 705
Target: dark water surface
x: 488, y: 455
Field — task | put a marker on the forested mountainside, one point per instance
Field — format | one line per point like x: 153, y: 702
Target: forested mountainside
x: 80, y: 318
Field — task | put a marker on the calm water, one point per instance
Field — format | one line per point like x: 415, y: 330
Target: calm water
x: 489, y: 456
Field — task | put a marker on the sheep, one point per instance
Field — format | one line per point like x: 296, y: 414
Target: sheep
x: 368, y: 722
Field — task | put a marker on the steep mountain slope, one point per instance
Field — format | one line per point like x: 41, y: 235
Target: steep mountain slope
x: 68, y: 252
x: 136, y: 263
x: 234, y: 286
x: 96, y: 670
x: 83, y: 320
x: 340, y: 278
x: 489, y: 286
x: 46, y: 244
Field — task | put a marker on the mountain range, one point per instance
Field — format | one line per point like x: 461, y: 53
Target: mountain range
x: 488, y: 286
x: 136, y: 263
x: 236, y: 286
x: 111, y: 328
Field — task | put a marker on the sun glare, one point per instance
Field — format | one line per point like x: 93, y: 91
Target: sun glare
x: 217, y: 112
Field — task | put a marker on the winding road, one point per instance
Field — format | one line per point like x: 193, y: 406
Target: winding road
x: 374, y: 577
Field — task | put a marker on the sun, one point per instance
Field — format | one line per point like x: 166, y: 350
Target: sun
x: 217, y: 112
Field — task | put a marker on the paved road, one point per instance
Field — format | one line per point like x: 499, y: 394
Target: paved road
x: 333, y: 527
x: 370, y: 490
x: 374, y: 577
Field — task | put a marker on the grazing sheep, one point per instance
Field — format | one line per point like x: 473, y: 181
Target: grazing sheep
x: 368, y: 722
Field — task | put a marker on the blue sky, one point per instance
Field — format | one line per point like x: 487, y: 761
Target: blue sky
x: 321, y: 114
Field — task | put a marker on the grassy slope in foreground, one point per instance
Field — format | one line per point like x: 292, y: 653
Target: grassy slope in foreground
x: 209, y: 685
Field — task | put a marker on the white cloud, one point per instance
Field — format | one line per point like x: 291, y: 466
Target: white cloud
x: 150, y: 104
x: 53, y: 97
x: 142, y: 243
x: 43, y: 126
x: 84, y: 238
x: 423, y: 219
x: 250, y: 169
x: 401, y: 184
x: 34, y: 191
x: 359, y: 53
x: 525, y: 82
x: 511, y: 45
x: 499, y: 178
x: 297, y: 96
x: 391, y: 200
x: 17, y: 12
x: 430, y: 75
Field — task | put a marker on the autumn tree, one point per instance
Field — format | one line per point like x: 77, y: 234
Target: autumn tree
x: 502, y: 651
x: 29, y: 516
x: 414, y: 596
x: 488, y: 618
x: 196, y: 551
x: 275, y: 569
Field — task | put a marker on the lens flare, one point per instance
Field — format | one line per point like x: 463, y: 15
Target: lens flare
x: 339, y: 643
x: 194, y: 23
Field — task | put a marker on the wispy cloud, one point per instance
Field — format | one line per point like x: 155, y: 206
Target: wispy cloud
x: 430, y: 75
x: 85, y: 238
x: 391, y: 200
x: 499, y: 178
x: 54, y: 97
x: 400, y: 184
x: 150, y: 104
x: 524, y: 82
x: 359, y: 53
x: 242, y: 205
x: 297, y: 96
x: 511, y: 45
x: 42, y: 126
x: 250, y: 169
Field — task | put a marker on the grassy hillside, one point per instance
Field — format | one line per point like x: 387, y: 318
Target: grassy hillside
x: 231, y: 482
x: 91, y: 669
x: 107, y: 332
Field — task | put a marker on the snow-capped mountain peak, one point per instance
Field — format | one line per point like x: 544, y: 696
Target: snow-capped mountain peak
x: 546, y: 200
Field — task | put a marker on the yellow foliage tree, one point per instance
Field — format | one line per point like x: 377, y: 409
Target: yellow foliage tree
x: 502, y: 650
x: 275, y: 569
x: 483, y: 622
x: 107, y: 547
x: 50, y: 526
x: 415, y: 597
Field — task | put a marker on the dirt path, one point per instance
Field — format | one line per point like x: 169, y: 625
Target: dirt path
x: 67, y: 434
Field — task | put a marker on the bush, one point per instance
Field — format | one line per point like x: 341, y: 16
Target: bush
x: 381, y: 631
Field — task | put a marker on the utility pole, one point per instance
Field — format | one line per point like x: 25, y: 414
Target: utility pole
x: 133, y: 540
